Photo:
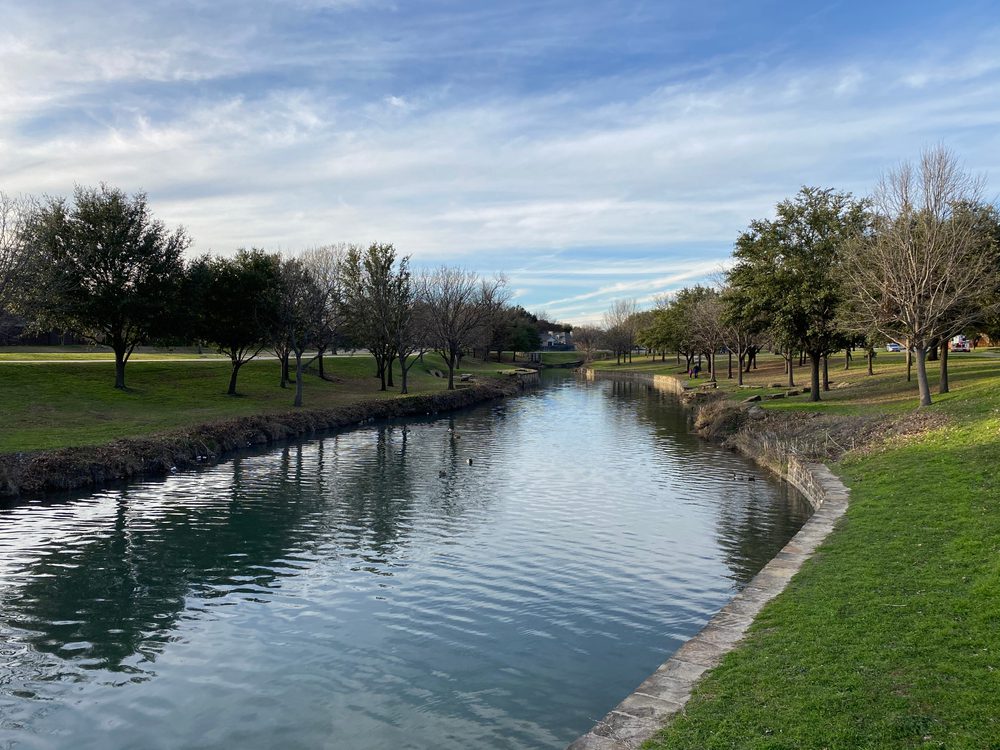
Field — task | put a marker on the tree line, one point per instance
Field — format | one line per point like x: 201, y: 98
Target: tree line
x: 917, y: 262
x: 100, y: 265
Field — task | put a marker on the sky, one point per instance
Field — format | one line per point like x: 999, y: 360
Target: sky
x: 590, y: 151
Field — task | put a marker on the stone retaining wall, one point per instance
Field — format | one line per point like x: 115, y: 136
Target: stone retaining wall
x: 663, y: 695
x: 660, y: 382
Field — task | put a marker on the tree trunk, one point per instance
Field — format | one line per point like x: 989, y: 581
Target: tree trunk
x: 319, y: 356
x: 932, y: 354
x: 283, y: 359
x: 826, y: 373
x: 909, y: 362
x: 730, y: 375
x: 739, y: 370
x: 298, y: 378
x: 388, y: 373
x: 943, y: 384
x: 711, y: 366
x: 791, y: 374
x: 232, y: 377
x: 402, y: 375
x: 120, y: 360
x: 922, y: 384
x: 451, y: 372
x: 847, y: 360
x: 871, y: 357
x: 814, y: 358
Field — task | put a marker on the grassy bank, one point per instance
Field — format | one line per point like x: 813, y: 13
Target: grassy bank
x: 60, y: 404
x: 890, y: 636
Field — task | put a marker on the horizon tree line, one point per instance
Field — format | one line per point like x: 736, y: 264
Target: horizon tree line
x: 102, y: 266
x: 916, y: 262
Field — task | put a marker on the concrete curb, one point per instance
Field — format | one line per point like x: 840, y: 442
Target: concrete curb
x: 664, y: 693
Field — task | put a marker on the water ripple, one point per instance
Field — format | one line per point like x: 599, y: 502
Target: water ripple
x: 341, y: 593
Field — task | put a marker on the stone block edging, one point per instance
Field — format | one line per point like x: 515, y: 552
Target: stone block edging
x: 664, y: 693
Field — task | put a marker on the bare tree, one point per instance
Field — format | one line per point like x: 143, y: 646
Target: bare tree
x: 708, y: 328
x: 454, y: 302
x: 587, y: 340
x: 742, y: 331
x: 914, y: 274
x: 300, y: 310
x: 13, y: 247
x: 324, y: 265
x: 495, y: 297
x: 621, y: 327
x: 411, y: 329
x: 404, y: 316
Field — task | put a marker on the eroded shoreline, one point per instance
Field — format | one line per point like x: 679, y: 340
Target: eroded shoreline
x: 36, y: 473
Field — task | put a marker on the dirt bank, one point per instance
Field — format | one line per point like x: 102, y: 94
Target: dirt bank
x: 40, y: 472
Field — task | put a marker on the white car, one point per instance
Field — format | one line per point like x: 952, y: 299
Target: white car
x: 892, y: 346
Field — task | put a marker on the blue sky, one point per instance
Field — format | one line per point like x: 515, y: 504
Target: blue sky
x: 588, y: 150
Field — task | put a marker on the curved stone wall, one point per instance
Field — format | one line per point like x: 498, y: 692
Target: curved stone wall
x: 663, y: 694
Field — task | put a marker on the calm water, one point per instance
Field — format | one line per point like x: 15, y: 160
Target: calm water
x: 342, y: 593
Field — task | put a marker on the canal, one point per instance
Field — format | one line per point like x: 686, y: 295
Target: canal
x: 496, y: 578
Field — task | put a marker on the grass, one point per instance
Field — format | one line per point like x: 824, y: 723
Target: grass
x: 55, y: 405
x: 80, y: 352
x: 890, y: 636
x: 560, y: 358
x: 851, y: 391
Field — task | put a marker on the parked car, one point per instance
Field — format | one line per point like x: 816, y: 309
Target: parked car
x: 892, y: 346
x: 959, y: 344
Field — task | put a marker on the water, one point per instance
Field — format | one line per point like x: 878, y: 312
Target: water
x: 342, y: 593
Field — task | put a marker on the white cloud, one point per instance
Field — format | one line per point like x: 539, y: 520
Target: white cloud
x: 668, y: 173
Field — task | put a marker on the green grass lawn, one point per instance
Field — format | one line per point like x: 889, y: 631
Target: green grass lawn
x: 890, y: 636
x: 56, y: 405
x: 852, y: 391
x: 98, y: 353
x: 561, y: 358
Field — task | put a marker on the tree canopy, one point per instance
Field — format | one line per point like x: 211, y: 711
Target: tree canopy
x: 105, y: 269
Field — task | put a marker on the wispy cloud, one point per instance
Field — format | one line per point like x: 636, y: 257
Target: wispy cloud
x: 577, y: 151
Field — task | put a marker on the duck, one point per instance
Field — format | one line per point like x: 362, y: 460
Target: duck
x: 469, y: 461
x: 442, y: 474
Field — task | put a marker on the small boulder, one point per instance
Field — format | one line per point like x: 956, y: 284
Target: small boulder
x: 774, y: 396
x: 752, y: 399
